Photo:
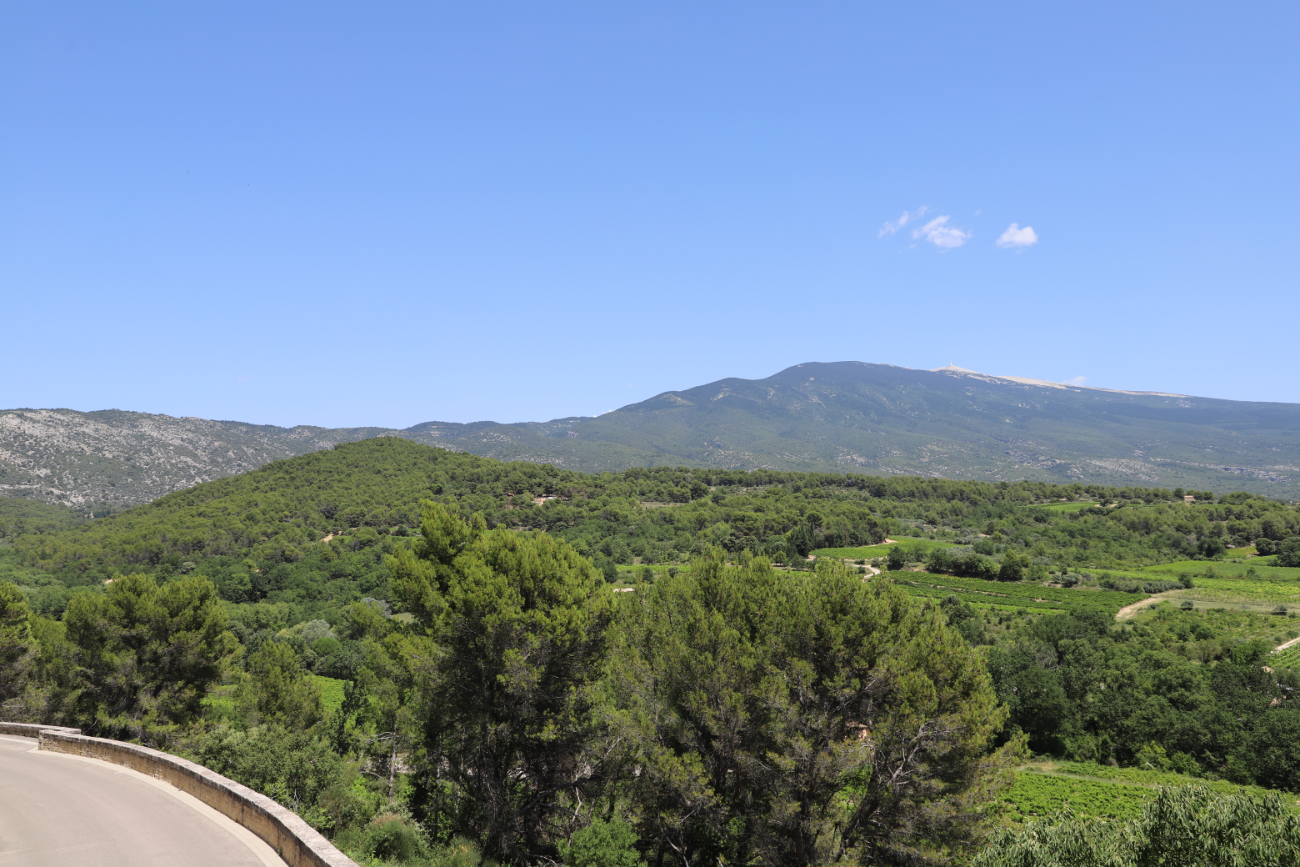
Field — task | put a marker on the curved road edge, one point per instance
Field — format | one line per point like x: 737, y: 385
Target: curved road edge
x: 297, y: 843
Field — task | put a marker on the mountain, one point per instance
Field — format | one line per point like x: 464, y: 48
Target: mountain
x: 113, y: 459
x: 960, y: 424
x: 843, y: 416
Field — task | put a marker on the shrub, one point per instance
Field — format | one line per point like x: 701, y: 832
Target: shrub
x: 1151, y: 587
x: 389, y: 838
x: 602, y: 844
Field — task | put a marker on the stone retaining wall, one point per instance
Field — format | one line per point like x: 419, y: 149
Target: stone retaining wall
x: 29, y: 730
x: 298, y: 843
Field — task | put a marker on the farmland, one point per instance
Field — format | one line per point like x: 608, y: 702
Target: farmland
x: 1098, y: 791
x: 1014, y: 594
x: 870, y: 552
x: 1255, y: 567
x: 1066, y: 508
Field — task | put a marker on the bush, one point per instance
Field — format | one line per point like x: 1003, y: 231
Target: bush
x: 602, y: 844
x: 389, y: 838
x: 1152, y: 587
x: 293, y: 767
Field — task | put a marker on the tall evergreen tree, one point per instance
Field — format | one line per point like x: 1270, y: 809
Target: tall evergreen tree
x: 147, y: 654
x: 803, y: 719
x: 510, y: 641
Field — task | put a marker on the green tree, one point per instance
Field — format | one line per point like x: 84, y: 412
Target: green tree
x: 384, y: 719
x: 1211, y: 548
x: 296, y: 768
x: 146, y: 654
x: 602, y: 844
x: 1288, y: 552
x: 510, y: 642
x: 16, y: 645
x: 1013, y: 566
x: 801, y: 719
x: 278, y: 691
x: 802, y: 540
x: 54, y: 680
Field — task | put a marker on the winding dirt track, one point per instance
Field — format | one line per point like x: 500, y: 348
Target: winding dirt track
x: 1129, y: 610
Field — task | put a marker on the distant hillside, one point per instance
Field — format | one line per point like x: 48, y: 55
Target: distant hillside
x: 870, y: 418
x: 113, y: 459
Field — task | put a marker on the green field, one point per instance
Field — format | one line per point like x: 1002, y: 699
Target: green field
x: 1225, y: 627
x: 870, y: 552
x: 1260, y: 566
x: 1012, y: 594
x: 1098, y: 791
x: 1037, y: 795
x: 331, y: 692
x: 1066, y: 508
x: 1289, y: 658
x: 1244, y: 590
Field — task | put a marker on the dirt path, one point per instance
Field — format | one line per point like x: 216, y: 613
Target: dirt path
x: 1129, y: 610
x: 1284, y: 645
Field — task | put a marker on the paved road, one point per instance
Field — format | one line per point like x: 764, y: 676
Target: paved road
x: 65, y: 811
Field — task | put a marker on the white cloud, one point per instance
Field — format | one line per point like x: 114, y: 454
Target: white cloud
x: 894, y: 225
x: 1078, y: 380
x: 940, y: 234
x: 1015, y: 237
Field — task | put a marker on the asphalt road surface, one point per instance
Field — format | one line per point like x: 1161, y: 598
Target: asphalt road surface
x: 66, y: 811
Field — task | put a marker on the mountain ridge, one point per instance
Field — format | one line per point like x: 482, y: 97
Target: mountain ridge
x: 824, y: 416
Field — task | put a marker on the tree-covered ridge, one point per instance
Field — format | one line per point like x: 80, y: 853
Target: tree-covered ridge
x: 364, y: 490
x: 20, y: 517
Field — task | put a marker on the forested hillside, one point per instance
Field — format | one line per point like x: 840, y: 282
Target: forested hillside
x: 331, y: 629
x: 838, y: 417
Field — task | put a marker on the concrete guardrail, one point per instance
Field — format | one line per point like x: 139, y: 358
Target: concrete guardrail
x: 298, y: 843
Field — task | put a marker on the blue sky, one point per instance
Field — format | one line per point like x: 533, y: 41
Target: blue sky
x: 357, y: 214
